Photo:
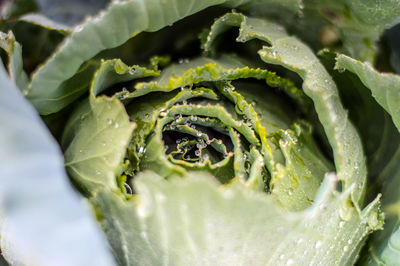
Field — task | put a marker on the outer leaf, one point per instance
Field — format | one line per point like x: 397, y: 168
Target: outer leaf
x: 385, y: 87
x: 70, y: 12
x: 192, y: 221
x: 41, y: 215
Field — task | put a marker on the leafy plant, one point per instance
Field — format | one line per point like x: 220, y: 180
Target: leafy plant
x: 201, y: 135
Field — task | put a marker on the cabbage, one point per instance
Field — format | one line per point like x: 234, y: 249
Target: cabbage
x: 200, y: 135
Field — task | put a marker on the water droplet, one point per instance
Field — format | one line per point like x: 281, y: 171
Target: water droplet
x: 290, y: 262
x: 178, y: 141
x: 218, y: 165
x: 128, y: 189
x: 143, y: 234
x: 282, y: 256
x: 300, y: 240
x: 193, y: 118
x: 109, y: 121
x: 116, y: 125
x: 172, y: 127
x: 78, y: 28
x: 142, y: 149
x: 345, y: 213
x: 349, y: 241
x: 103, y: 144
x: 345, y: 248
x: 341, y: 224
x: 341, y: 69
x: 132, y: 71
x: 274, y: 53
x: 373, y: 220
x: 197, y: 153
x: 180, y: 61
x: 199, y: 134
x: 290, y: 192
x: 206, y: 157
x: 160, y: 197
x: 184, y: 102
x: 318, y: 244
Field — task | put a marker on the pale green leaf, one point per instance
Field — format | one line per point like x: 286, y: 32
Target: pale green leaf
x: 385, y: 87
x: 95, y: 139
x: 193, y: 221
x: 41, y: 215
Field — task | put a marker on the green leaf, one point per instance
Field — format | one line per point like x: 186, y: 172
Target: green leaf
x: 385, y: 87
x: 41, y: 215
x: 87, y: 40
x: 15, y: 64
x: 129, y: 17
x: 381, y: 138
x: 294, y: 55
x: 350, y: 26
x: 384, y: 247
x: 96, y: 137
x: 193, y: 221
